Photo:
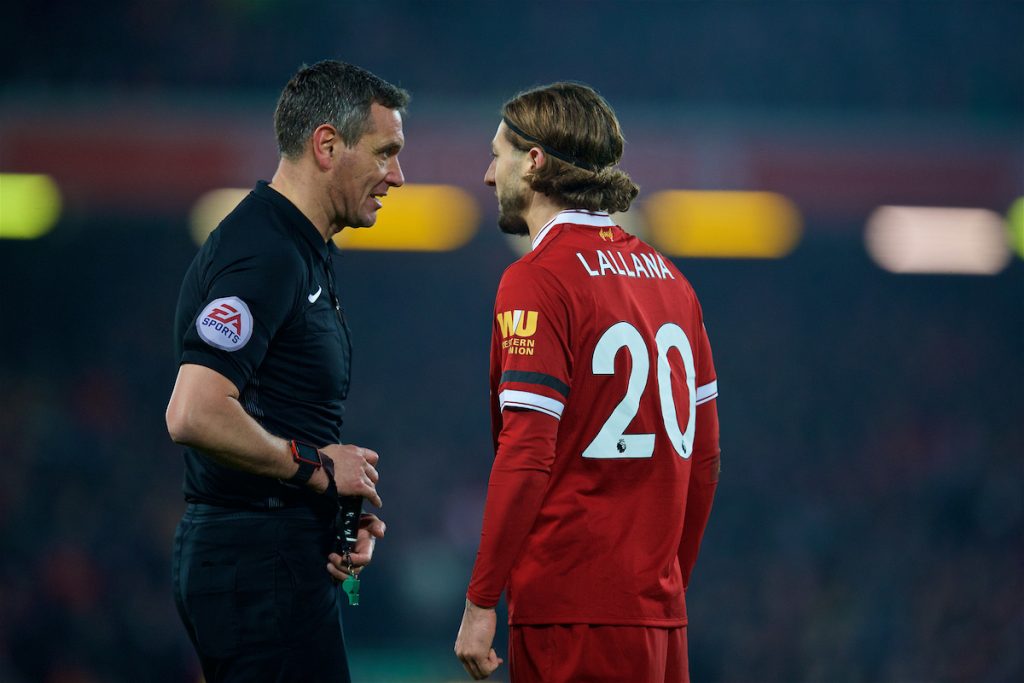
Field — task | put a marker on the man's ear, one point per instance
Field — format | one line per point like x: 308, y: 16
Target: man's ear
x: 537, y: 158
x: 326, y: 144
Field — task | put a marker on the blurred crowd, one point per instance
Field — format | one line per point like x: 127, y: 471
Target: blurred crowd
x: 874, y: 531
x: 869, y: 525
x: 881, y: 56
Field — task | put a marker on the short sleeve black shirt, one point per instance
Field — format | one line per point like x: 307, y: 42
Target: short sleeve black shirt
x: 259, y: 306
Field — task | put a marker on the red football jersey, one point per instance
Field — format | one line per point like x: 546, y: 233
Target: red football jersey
x: 598, y: 330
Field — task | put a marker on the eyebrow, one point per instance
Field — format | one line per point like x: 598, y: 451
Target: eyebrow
x: 390, y: 147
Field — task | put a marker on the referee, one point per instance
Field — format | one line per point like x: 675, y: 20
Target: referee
x: 265, y: 358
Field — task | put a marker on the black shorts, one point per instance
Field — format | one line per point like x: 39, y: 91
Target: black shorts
x: 254, y: 594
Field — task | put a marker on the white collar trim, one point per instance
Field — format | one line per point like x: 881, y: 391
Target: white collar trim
x: 597, y: 219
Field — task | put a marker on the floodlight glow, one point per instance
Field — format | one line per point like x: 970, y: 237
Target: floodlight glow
x: 30, y: 205
x: 720, y: 224
x: 910, y: 239
x: 210, y: 209
x: 1015, y: 224
x: 418, y: 218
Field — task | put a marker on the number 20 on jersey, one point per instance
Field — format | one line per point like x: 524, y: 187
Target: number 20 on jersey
x: 611, y: 440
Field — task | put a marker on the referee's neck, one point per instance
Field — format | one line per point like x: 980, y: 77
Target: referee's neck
x: 290, y: 182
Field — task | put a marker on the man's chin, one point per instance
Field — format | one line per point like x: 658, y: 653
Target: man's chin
x: 513, y: 225
x: 366, y: 221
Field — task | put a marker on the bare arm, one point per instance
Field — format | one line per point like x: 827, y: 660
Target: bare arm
x: 204, y: 412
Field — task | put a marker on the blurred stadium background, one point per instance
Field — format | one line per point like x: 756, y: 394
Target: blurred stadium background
x: 841, y: 181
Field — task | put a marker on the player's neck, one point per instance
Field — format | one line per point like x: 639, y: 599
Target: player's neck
x: 539, y: 213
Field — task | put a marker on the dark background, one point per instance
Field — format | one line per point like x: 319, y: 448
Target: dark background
x: 869, y: 525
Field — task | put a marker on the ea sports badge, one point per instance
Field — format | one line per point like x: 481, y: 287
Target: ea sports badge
x: 225, y: 323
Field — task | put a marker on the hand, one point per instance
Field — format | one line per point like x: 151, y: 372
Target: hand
x: 355, y: 473
x: 473, y: 644
x: 370, y: 529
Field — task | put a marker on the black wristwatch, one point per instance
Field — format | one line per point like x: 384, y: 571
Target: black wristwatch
x: 309, y: 460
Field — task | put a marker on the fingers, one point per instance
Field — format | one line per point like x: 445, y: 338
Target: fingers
x: 370, y: 529
x: 360, y: 487
x: 373, y: 524
x: 363, y: 551
x: 479, y: 666
x: 370, y: 459
x: 491, y: 664
x: 370, y: 456
x: 360, y: 556
x: 355, y: 472
x: 473, y: 645
x: 337, y: 567
x: 360, y: 560
x: 471, y: 666
x: 370, y: 494
x: 471, y: 669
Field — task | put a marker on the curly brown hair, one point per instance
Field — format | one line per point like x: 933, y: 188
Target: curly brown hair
x: 578, y: 130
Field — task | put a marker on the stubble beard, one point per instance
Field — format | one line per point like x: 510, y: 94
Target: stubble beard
x: 511, y: 207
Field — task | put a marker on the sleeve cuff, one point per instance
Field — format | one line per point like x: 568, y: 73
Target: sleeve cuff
x: 217, y: 365
x: 479, y: 601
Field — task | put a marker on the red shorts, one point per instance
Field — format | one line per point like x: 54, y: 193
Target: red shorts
x: 579, y: 653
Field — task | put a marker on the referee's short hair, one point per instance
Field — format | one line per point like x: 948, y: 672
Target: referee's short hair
x: 330, y: 92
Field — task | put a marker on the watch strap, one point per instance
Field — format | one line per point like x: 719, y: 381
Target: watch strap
x: 328, y: 466
x: 308, y: 459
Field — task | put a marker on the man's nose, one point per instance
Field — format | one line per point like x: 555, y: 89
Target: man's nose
x: 395, y: 176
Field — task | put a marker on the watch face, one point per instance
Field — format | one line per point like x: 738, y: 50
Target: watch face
x: 303, y: 452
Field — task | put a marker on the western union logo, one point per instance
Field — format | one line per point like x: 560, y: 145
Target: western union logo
x: 518, y: 323
x: 516, y: 327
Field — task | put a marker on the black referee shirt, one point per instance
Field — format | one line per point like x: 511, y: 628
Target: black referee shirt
x: 259, y: 306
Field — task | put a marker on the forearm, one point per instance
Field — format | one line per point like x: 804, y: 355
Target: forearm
x: 204, y: 413
x: 225, y: 432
